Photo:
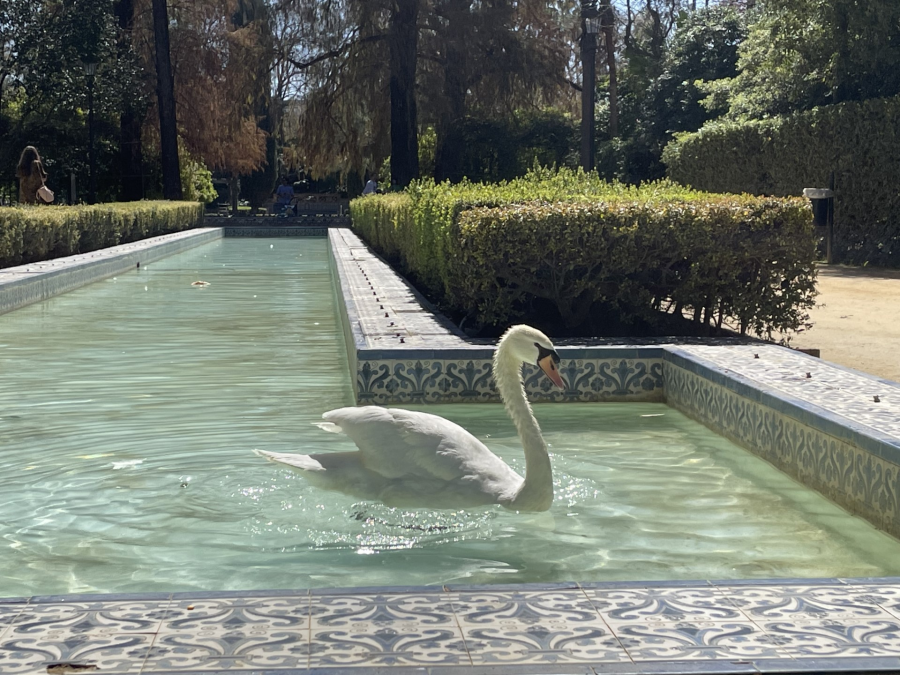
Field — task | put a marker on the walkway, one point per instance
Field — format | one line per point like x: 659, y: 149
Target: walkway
x: 732, y: 627
x: 857, y: 320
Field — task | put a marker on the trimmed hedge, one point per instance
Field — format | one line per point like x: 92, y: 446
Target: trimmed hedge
x: 30, y: 233
x: 739, y: 262
x: 860, y: 142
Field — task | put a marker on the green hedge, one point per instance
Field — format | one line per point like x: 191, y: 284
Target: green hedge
x: 32, y: 233
x: 860, y: 142
x: 741, y: 262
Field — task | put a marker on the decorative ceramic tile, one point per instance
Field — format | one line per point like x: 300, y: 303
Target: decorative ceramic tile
x: 855, y: 478
x: 835, y: 637
x: 8, y: 613
x: 511, y: 608
x: 437, y: 380
x: 395, y: 643
x: 695, y: 640
x: 94, y: 618
x: 213, y: 649
x: 107, y: 653
x: 277, y: 231
x: 548, y: 641
x: 223, y: 615
x: 846, y: 392
x: 770, y: 603
x: 663, y: 605
x: 885, y: 596
x: 335, y: 611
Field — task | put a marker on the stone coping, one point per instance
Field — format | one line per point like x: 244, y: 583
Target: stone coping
x: 25, y: 284
x: 766, y: 626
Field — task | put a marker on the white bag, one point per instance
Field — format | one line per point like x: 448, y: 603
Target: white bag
x: 45, y: 194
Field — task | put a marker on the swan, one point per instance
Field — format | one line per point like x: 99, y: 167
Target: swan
x: 416, y: 459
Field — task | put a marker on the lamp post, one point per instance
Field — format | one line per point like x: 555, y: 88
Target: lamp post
x: 590, y: 26
x: 90, y: 69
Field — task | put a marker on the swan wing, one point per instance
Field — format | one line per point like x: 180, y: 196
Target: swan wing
x: 399, y: 443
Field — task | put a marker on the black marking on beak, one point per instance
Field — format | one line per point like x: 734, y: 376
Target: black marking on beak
x: 543, y: 352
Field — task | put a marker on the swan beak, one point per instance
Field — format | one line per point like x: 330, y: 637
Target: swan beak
x: 548, y: 365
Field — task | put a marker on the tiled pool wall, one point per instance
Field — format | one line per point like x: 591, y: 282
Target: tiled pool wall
x: 833, y: 429
x: 25, y: 284
x: 852, y: 464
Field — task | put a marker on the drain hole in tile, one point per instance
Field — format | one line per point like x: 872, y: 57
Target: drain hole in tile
x: 65, y: 668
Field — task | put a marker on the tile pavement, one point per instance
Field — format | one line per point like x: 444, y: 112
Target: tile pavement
x: 705, y: 627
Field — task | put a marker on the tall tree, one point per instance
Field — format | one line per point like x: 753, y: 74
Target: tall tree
x: 131, y: 154
x: 165, y: 94
x: 608, y: 23
x: 402, y: 46
x: 804, y: 53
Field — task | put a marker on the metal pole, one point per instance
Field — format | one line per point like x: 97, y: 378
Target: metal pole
x: 588, y: 78
x: 92, y: 179
x: 829, y: 223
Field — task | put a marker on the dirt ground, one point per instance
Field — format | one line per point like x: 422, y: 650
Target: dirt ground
x: 857, y: 319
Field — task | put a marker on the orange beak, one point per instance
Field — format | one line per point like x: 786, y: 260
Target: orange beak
x: 548, y: 365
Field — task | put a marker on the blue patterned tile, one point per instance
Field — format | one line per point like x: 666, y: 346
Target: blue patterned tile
x: 835, y: 638
x: 237, y: 614
x: 762, y: 603
x: 240, y: 649
x: 663, y: 605
x: 444, y: 380
x: 486, y: 608
x: 549, y: 641
x: 386, y: 641
x: 691, y: 640
x: 8, y: 613
x: 427, y: 609
x: 31, y: 654
x: 88, y: 618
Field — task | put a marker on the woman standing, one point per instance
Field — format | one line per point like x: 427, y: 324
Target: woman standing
x: 31, y: 175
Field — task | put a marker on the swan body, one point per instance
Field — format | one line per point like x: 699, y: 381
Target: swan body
x: 415, y: 459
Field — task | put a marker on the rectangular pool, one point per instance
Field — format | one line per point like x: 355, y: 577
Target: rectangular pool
x: 128, y: 410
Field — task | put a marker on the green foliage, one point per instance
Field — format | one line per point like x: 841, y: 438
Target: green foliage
x: 805, y: 53
x: 34, y: 233
x: 45, y: 92
x: 196, y: 180
x: 573, y: 241
x: 704, y: 47
x: 860, y: 142
x: 502, y: 148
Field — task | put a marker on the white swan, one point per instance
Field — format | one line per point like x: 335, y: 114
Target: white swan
x: 415, y: 459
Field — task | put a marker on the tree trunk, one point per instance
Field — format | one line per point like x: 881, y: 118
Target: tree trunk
x: 448, y: 161
x: 131, y: 156
x: 609, y: 38
x: 404, y: 134
x: 165, y: 94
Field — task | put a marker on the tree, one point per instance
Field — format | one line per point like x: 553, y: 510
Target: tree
x: 131, y: 154
x: 703, y: 47
x: 803, y: 53
x: 165, y: 94
x: 489, y: 59
x: 402, y: 45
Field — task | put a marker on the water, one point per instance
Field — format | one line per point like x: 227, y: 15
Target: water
x: 128, y: 410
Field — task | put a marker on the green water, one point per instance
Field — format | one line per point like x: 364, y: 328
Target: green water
x: 128, y: 410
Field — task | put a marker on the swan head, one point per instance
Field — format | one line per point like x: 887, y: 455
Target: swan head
x: 529, y: 345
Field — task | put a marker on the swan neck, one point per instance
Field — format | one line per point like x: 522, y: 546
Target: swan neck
x: 536, y: 492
